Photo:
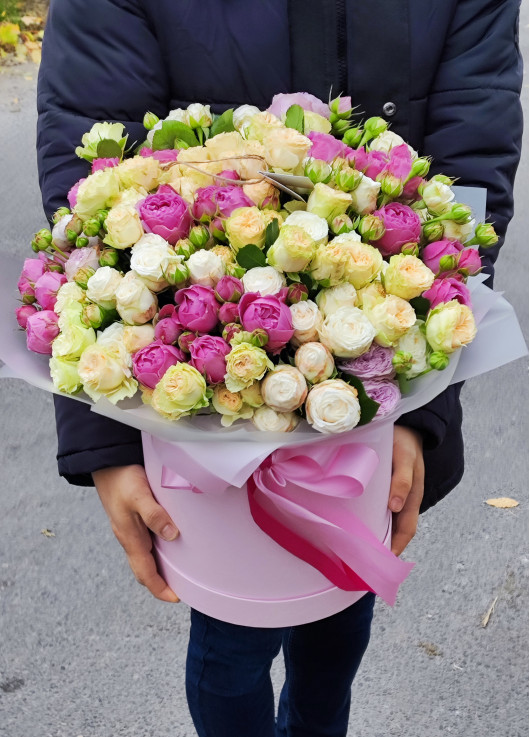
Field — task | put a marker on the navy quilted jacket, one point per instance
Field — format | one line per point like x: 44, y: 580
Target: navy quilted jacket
x: 447, y: 76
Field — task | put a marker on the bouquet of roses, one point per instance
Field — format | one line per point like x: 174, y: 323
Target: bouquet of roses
x: 192, y: 273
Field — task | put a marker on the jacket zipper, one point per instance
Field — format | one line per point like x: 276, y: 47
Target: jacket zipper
x: 342, y: 46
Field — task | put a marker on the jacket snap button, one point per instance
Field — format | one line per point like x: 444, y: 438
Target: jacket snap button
x: 389, y: 109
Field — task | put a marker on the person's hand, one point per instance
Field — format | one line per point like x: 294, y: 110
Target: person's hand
x: 406, y: 487
x: 129, y: 503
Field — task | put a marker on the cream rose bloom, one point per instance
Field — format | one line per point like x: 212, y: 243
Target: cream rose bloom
x: 391, y: 317
x: 68, y: 293
x: 99, y: 190
x: 415, y: 343
x: 364, y: 196
x: 261, y: 124
x: 407, y: 276
x: 267, y: 419
x: 458, y: 232
x: 285, y: 148
x: 260, y: 192
x: 307, y: 321
x: 136, y: 337
x: 230, y: 405
x: 135, y: 303
x: 245, y: 225
x: 124, y: 227
x: 198, y: 115
x: 438, y: 197
x: 105, y: 368
x: 347, y: 332
x: 265, y: 280
x: 450, y: 326
x: 205, y: 268
x: 328, y: 203
x: 131, y: 196
x: 102, y: 286
x: 330, y: 300
x: 293, y: 249
x: 388, y: 140
x: 284, y: 389
x: 245, y: 364
x: 180, y: 392
x: 315, y: 226
x: 315, y: 362
x: 65, y: 376
x: 332, y: 407
x: 150, y: 258
x: 364, y: 262
x: 140, y: 171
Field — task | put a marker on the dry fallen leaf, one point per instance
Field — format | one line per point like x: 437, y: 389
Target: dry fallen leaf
x: 502, y: 502
x: 47, y: 533
x: 486, y: 617
x: 31, y: 20
x: 431, y: 649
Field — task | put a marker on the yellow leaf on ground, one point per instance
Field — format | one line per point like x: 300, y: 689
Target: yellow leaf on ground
x: 502, y: 502
x: 9, y: 33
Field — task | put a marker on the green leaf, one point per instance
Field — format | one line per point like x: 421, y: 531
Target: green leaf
x: 272, y: 232
x: 171, y: 130
x: 250, y: 256
x: 294, y: 118
x: 223, y: 124
x: 369, y: 406
x: 421, y: 306
x: 108, y: 148
x: 307, y: 281
x: 293, y: 276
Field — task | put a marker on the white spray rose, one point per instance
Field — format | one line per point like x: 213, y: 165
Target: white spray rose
x: 307, y: 321
x: 178, y: 114
x: 437, y: 197
x: 450, y: 326
x: 415, y: 343
x: 315, y: 226
x: 293, y: 249
x: 458, y: 232
x: 391, y: 317
x: 314, y: 361
x: 68, y: 293
x: 242, y: 117
x: 264, y: 280
x: 388, y: 140
x: 285, y: 148
x: 267, y: 419
x: 364, y: 196
x: 284, y: 389
x: 150, y: 258
x: 333, y: 407
x: 135, y: 304
x: 124, y: 227
x: 102, y: 286
x: 347, y: 332
x: 206, y: 268
x: 136, y: 337
x: 59, y: 238
x: 105, y: 367
x: 330, y: 300
x: 198, y: 115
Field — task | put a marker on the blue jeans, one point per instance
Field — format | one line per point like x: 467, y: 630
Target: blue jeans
x: 228, y: 681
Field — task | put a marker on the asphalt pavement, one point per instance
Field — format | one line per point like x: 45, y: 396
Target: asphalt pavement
x: 86, y: 652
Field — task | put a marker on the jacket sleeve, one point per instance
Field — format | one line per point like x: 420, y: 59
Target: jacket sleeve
x: 100, y: 61
x: 473, y: 131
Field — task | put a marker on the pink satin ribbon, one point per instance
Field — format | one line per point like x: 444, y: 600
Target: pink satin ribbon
x: 297, y: 497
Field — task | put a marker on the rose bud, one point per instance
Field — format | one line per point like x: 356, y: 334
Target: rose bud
x: 402, y: 361
x: 485, y: 236
x: 101, y: 215
x: 217, y: 229
x: 41, y: 330
x: 23, y: 313
x: 341, y: 224
x: 228, y: 313
x: 185, y: 339
x: 233, y: 269
x: 448, y: 263
x: 92, y: 227
x: 81, y: 241
x: 284, y: 389
x: 348, y: 179
x: 74, y: 228
x: 315, y: 362
x: 297, y: 293
x: 109, y: 257
x: 199, y: 236
x: 230, y: 330
x: 150, y: 120
x: 42, y: 239
x: 184, y: 247
x: 433, y: 231
x: 460, y: 213
x: 167, y: 331
x: 82, y: 276
x: 420, y: 168
x: 438, y: 360
x: 93, y: 316
x: 259, y: 338
x: 229, y: 289
x: 59, y: 214
x: 373, y: 127
x: 410, y: 249
x: 371, y: 228
x: 166, y: 311
x: 318, y: 171
x: 176, y: 273
x: 391, y: 185
x: 352, y: 137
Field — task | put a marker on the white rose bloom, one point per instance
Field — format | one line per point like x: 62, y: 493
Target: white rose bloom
x: 264, y: 280
x: 150, y: 257
x: 315, y: 362
x: 333, y: 407
x: 205, y: 267
x: 59, y: 238
x: 136, y: 337
x: 68, y: 293
x: 455, y: 232
x: 284, y: 389
x: 114, y: 334
x: 415, y: 343
x: 242, y: 117
x: 330, y: 300
x: 268, y: 420
x: 438, y: 197
x: 135, y: 304
x: 347, y: 332
x: 102, y: 286
x: 315, y: 226
x: 199, y: 116
x: 388, y: 140
x: 364, y: 196
x: 307, y: 320
x: 178, y: 114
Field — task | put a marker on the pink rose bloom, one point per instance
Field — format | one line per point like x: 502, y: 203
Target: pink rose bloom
x: 151, y: 363
x: 99, y: 164
x: 208, y: 356
x: 376, y: 162
x: 229, y: 289
x: 269, y: 314
x: 167, y: 330
x: 72, y: 193
x: 185, y: 340
x: 385, y: 392
x: 402, y: 226
x: 197, y: 308
x: 229, y: 312
x: 167, y: 214
x: 400, y: 162
x: 214, y: 200
x: 46, y: 288
x: 432, y: 253
x: 229, y: 174
x: 41, y: 330
x: 166, y: 311
x: 81, y: 257
x: 325, y: 146
x: 165, y: 156
x: 444, y: 290
x: 358, y: 158
x: 469, y: 260
x: 376, y: 363
x: 281, y: 103
x: 23, y: 313
x: 410, y: 190
x: 31, y: 272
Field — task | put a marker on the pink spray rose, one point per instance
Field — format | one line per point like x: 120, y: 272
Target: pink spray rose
x: 80, y: 258
x: 375, y: 163
x: 376, y: 363
x: 208, y: 354
x: 151, y: 363
x: 99, y: 164
x: 402, y: 225
x: 282, y: 102
x: 31, y: 272
x: 197, y: 308
x: 166, y: 213
x: 432, y: 253
x: 41, y: 330
x: 213, y: 200
x: 229, y: 289
x: 229, y: 174
x: 269, y: 314
x: 165, y: 156
x: 72, y: 193
x: 444, y: 290
x: 358, y: 158
x: 46, y: 288
x: 410, y: 190
x: 23, y: 313
x: 167, y: 330
x: 166, y: 311
x: 469, y: 260
x: 384, y: 391
x: 229, y: 312
x: 400, y: 162
x: 325, y: 146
